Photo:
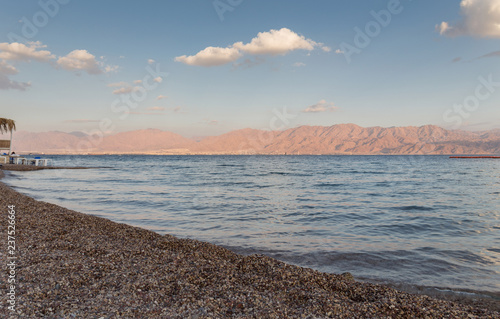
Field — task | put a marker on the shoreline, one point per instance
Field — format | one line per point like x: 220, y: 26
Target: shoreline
x: 25, y: 168
x: 71, y: 263
x: 450, y: 155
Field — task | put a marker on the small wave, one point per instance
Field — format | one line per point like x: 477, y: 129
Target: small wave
x: 329, y: 185
x: 398, y: 230
x: 373, y: 172
x: 384, y: 184
x: 279, y: 173
x: 307, y: 207
x: 413, y: 208
x: 230, y: 165
x: 246, y: 184
x: 313, y: 211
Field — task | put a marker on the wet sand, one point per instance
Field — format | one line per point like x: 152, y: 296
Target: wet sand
x: 73, y: 265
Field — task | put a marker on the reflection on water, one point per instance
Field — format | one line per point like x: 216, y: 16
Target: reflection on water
x: 424, y: 220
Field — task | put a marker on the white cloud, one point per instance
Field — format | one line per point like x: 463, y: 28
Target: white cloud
x: 21, y: 52
x: 274, y: 42
x: 109, y: 68
x: 480, y: 18
x: 156, y: 108
x: 18, y: 52
x: 443, y: 28
x: 299, y: 64
x: 338, y: 51
x: 77, y: 60
x: 6, y: 83
x: 125, y: 90
x: 321, y: 106
x: 211, y: 56
x: 158, y: 79
x: 6, y: 68
x: 151, y: 61
x: 161, y: 97
x: 80, y: 60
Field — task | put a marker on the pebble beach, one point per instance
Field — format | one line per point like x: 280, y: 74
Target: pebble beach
x: 72, y: 265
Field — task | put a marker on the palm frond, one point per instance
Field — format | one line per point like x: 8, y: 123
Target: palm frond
x: 7, y: 125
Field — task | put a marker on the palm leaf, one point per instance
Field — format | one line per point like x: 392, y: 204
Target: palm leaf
x: 7, y: 125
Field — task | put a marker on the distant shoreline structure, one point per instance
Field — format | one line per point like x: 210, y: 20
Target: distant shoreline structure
x: 260, y: 154
x: 475, y: 157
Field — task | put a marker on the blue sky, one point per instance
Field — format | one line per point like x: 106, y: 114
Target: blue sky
x: 208, y: 67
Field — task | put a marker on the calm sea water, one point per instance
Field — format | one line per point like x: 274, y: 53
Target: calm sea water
x: 421, y: 220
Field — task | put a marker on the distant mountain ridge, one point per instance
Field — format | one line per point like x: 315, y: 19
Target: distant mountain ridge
x: 336, y: 139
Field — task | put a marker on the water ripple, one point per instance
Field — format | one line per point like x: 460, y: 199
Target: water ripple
x: 424, y: 220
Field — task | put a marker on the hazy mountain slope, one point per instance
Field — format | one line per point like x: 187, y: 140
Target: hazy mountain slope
x: 55, y: 142
x: 336, y: 139
x: 143, y: 141
x: 353, y: 139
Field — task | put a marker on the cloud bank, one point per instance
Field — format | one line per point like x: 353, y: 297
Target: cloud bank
x: 14, y: 53
x: 24, y: 53
x: 274, y: 42
x: 480, y: 18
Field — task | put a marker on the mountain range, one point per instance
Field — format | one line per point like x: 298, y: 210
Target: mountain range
x: 336, y: 139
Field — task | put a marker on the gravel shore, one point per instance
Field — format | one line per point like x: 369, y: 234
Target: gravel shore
x: 73, y: 265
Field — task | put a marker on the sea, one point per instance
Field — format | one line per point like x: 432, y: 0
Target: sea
x: 420, y: 221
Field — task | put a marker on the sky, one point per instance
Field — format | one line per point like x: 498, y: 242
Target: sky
x: 207, y: 67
